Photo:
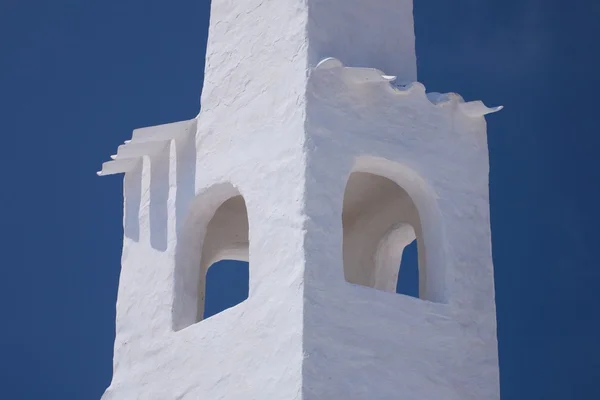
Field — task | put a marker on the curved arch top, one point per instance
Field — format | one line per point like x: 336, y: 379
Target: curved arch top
x: 215, y: 229
x: 433, y: 259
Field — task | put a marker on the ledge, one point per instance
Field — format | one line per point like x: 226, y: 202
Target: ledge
x: 360, y: 76
x: 145, y: 142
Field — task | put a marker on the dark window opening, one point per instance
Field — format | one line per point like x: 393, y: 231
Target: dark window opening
x: 227, y: 284
x: 408, y: 278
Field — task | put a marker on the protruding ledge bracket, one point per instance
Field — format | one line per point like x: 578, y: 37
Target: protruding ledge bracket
x: 135, y: 149
x: 145, y: 142
x: 476, y: 109
x: 118, y: 166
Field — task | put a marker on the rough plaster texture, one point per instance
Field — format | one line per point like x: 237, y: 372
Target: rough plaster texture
x: 261, y: 174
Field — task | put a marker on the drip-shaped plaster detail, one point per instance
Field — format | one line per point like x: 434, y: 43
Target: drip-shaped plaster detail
x: 477, y: 108
x: 361, y: 76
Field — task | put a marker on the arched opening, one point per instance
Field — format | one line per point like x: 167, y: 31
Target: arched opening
x: 224, y: 283
x: 212, y: 254
x: 382, y: 231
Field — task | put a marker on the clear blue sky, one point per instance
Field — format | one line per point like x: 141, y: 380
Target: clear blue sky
x: 77, y: 76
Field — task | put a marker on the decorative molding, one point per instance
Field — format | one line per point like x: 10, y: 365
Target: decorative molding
x: 360, y: 76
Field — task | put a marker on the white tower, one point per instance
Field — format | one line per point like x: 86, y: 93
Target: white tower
x: 318, y: 171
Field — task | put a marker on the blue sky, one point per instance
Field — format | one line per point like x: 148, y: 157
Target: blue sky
x: 77, y: 77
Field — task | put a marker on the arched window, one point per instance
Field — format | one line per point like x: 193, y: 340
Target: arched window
x: 226, y: 241
x: 211, y: 269
x: 381, y: 229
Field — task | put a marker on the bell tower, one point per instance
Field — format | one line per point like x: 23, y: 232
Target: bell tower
x: 317, y: 157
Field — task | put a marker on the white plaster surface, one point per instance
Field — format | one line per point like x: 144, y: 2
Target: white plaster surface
x: 289, y: 135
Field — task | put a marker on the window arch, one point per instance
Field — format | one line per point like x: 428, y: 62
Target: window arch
x: 380, y: 220
x: 215, y: 231
x: 226, y: 239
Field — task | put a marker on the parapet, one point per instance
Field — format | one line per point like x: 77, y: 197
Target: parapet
x: 354, y: 76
